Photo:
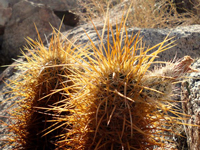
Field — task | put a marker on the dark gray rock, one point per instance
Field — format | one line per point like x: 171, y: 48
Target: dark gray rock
x: 21, y: 26
x: 5, y: 13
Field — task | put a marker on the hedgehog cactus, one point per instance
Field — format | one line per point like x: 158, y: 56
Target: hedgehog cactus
x: 122, y: 104
x: 169, y: 74
x: 45, y: 71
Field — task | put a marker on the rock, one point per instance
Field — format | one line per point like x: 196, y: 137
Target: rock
x: 4, y: 4
x: 62, y: 8
x: 186, y: 41
x: 5, y: 14
x: 186, y: 38
x: 59, y: 5
x: 12, y: 2
x: 17, y: 23
x: 191, y: 106
x: 21, y: 25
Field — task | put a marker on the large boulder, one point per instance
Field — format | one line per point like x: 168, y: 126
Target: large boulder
x: 21, y: 25
x: 186, y: 39
x: 64, y: 9
x: 5, y: 14
x: 17, y: 18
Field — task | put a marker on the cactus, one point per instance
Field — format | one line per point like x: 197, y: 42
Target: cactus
x: 117, y: 102
x: 122, y: 103
x: 37, y: 90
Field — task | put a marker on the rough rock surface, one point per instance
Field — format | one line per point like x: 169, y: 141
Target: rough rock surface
x: 17, y: 23
x: 21, y: 25
x: 191, y: 106
x: 186, y: 38
x: 5, y: 14
x: 12, y: 2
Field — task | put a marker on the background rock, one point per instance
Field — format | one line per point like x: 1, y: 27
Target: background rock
x: 5, y: 14
x: 4, y: 4
x: 12, y: 2
x: 17, y: 18
x: 191, y: 106
x: 186, y: 38
x: 21, y: 26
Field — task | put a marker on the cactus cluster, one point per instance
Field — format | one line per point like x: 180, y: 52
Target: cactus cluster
x: 112, y: 100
